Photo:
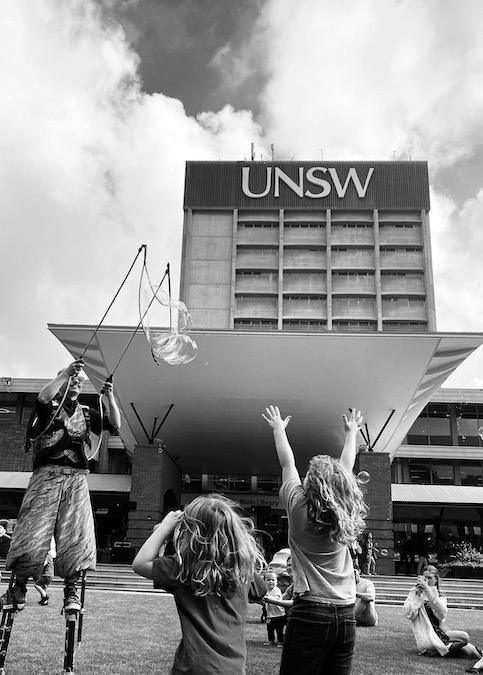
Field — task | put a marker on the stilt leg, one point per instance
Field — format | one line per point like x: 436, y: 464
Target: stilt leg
x: 73, y: 624
x: 70, y: 626
x: 6, y: 624
x: 82, y: 598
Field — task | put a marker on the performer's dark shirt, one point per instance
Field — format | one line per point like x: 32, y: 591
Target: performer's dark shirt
x: 65, y: 441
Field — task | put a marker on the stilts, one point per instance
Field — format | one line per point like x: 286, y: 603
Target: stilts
x: 6, y: 624
x: 73, y: 626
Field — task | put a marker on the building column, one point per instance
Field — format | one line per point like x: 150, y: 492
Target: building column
x: 377, y: 495
x: 155, y: 489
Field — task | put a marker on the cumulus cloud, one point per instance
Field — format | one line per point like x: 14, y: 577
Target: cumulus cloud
x: 92, y: 168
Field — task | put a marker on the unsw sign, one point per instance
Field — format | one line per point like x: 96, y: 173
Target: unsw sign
x: 311, y: 177
x: 306, y: 185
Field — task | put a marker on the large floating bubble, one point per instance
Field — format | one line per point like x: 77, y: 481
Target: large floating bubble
x: 363, y: 477
x: 168, y: 344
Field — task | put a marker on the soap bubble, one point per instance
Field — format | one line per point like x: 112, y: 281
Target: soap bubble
x: 383, y: 551
x: 363, y: 477
x: 480, y: 431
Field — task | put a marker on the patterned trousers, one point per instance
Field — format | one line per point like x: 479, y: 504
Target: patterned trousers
x: 57, y: 503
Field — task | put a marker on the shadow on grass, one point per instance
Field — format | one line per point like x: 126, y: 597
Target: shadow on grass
x: 137, y: 634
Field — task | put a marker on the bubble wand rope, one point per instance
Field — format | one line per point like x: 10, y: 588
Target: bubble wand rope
x: 109, y: 379
x: 114, y: 298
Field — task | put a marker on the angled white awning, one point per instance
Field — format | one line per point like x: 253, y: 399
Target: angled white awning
x: 437, y: 494
x: 208, y: 412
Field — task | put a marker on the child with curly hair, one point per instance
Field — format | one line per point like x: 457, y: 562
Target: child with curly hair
x: 326, y: 512
x: 213, y: 575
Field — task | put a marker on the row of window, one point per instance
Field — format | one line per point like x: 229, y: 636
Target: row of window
x: 448, y: 424
x: 437, y: 472
x: 346, y: 274
x: 321, y: 225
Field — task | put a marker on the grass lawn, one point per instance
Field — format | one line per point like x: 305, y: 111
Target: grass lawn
x: 137, y: 634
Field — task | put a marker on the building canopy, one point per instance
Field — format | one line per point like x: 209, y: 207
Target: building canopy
x: 208, y: 413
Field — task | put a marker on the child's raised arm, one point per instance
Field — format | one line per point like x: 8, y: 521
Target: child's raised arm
x: 282, y: 446
x: 352, y: 424
x: 143, y: 562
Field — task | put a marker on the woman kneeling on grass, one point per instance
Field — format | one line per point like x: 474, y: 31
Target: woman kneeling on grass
x: 426, y: 608
x: 213, y: 576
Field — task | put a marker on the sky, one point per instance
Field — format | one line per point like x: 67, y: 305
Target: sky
x: 103, y: 102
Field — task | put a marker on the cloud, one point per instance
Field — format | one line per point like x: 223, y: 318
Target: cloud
x: 368, y: 79
x: 92, y: 168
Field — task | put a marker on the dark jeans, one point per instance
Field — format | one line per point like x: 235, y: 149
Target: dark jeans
x: 276, y: 625
x: 319, y: 639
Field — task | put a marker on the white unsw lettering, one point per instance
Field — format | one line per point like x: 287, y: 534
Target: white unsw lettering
x: 298, y: 187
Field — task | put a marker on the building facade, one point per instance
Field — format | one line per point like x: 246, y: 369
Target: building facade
x: 301, y: 247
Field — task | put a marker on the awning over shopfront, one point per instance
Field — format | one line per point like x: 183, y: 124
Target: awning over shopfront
x: 208, y: 412
x: 437, y: 494
x: 98, y: 482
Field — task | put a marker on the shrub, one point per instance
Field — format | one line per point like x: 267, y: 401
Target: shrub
x: 464, y: 555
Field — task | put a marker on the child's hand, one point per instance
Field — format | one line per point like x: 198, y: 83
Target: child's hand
x: 354, y: 421
x: 274, y: 418
x: 171, y: 519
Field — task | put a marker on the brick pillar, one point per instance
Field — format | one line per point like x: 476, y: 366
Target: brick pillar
x: 155, y: 488
x: 377, y: 495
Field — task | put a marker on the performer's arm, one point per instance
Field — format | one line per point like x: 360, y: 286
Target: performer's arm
x: 143, y: 562
x: 114, y: 415
x: 52, y: 388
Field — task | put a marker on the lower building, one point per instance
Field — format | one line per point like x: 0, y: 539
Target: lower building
x: 426, y: 483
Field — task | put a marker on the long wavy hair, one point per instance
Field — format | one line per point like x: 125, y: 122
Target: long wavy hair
x: 334, y: 499
x: 215, y: 547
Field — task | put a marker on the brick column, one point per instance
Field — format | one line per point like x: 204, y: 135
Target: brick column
x: 377, y: 495
x: 155, y: 488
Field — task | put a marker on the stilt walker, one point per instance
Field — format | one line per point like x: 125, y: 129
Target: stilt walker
x: 56, y: 502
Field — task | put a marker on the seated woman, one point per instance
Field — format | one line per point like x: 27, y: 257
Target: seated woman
x: 426, y: 608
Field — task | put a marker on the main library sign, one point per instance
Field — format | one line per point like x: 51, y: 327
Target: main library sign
x: 306, y: 185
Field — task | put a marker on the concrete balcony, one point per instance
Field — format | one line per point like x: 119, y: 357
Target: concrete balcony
x: 305, y: 282
x: 351, y: 308
x: 355, y: 236
x: 256, y: 308
x: 400, y: 235
x: 401, y: 309
x: 304, y: 259
x: 257, y: 283
x: 313, y: 308
x: 350, y: 259
x: 257, y: 258
x: 300, y: 236
x: 353, y: 283
x: 402, y: 284
x: 401, y: 259
x: 258, y: 235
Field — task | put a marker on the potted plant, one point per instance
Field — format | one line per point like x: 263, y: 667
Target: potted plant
x: 465, y: 562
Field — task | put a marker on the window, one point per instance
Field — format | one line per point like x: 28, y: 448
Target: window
x: 419, y: 472
x: 471, y: 473
x: 439, y: 424
x: 432, y: 427
x: 468, y: 421
x: 442, y: 473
